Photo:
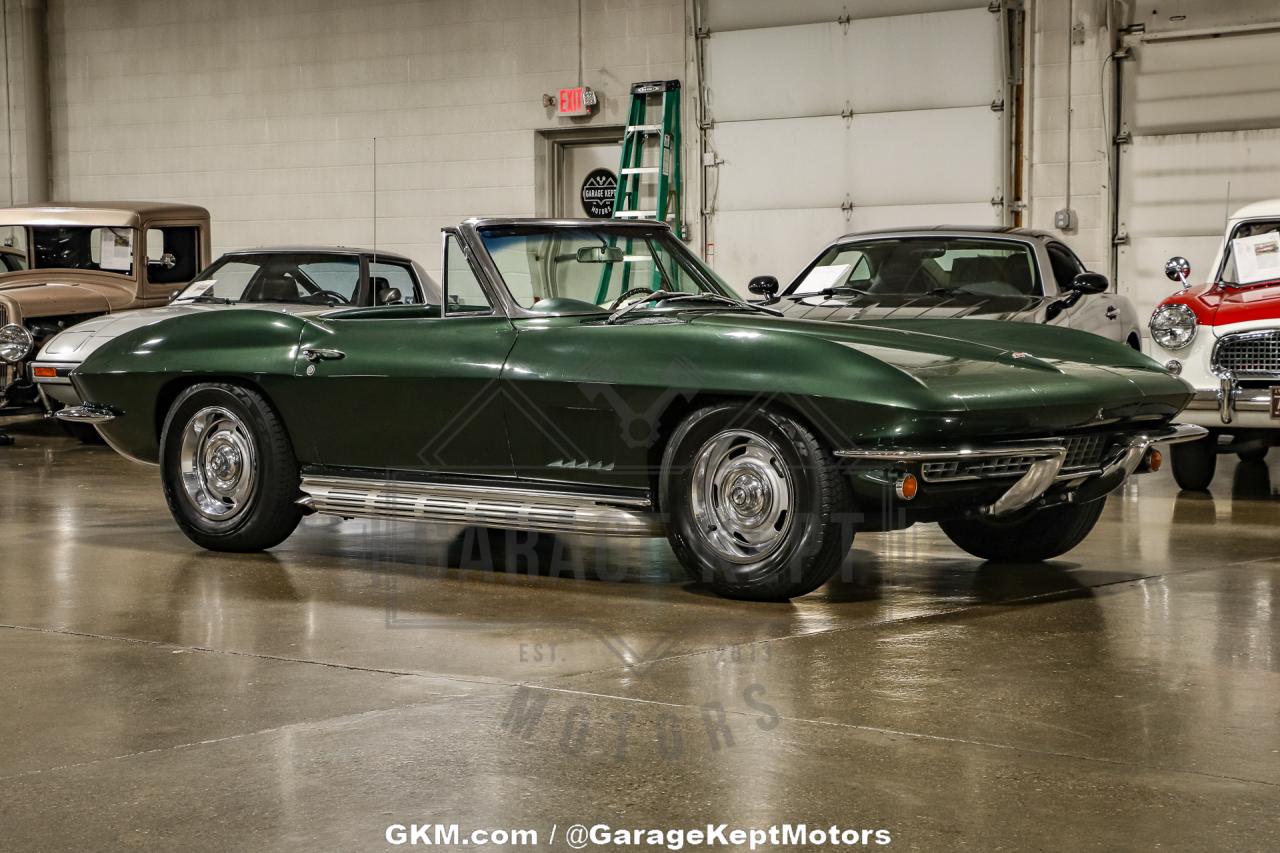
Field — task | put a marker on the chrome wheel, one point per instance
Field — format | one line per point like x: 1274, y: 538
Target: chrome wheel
x: 741, y: 494
x: 218, y: 463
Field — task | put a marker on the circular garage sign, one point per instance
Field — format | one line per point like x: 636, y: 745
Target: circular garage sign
x: 598, y: 190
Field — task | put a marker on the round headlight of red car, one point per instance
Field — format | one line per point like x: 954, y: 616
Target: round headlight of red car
x: 15, y: 343
x: 1173, y: 326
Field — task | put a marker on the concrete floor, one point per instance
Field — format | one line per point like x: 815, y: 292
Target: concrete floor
x: 158, y: 697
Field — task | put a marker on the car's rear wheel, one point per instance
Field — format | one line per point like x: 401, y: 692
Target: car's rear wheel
x: 755, y: 506
x: 1027, y: 537
x: 230, y: 476
x: 1194, y: 463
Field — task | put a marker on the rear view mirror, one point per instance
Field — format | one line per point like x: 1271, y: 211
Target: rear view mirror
x: 1090, y: 282
x: 167, y: 260
x: 600, y: 255
x: 390, y: 296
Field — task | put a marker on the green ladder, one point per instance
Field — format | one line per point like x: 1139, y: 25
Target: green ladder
x: 640, y: 137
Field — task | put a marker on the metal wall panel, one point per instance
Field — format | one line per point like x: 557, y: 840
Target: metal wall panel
x: 1204, y: 120
x: 723, y: 15
x: 771, y: 242
x: 823, y: 127
x: 926, y: 157
x: 905, y: 62
x: 1227, y: 83
x: 910, y: 62
x: 779, y: 164
x: 782, y: 72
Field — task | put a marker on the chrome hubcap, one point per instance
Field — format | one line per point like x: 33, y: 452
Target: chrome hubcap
x: 741, y: 496
x: 219, y: 464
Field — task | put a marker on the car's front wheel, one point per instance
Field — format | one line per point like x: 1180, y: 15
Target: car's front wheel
x: 1027, y: 537
x: 1194, y: 463
x: 754, y: 503
x: 1254, y: 454
x: 230, y: 476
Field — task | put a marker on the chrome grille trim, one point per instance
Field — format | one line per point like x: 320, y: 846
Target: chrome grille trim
x: 1246, y: 354
x: 1084, y: 455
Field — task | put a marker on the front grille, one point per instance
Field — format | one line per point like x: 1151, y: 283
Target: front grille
x: 1249, y: 353
x: 1084, y: 453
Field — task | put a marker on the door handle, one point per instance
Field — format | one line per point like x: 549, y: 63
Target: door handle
x: 1113, y: 312
x: 314, y: 354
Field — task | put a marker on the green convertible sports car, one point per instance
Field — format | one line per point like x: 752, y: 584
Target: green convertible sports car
x: 596, y: 377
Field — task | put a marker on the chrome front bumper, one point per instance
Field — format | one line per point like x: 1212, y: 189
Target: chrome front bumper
x: 1046, y: 467
x: 1230, y: 398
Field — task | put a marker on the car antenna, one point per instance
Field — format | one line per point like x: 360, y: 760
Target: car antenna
x: 375, y: 199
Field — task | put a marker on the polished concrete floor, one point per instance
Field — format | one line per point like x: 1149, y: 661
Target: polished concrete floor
x: 156, y: 697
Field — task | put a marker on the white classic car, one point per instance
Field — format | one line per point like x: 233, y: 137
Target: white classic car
x: 1223, y: 336
x: 292, y: 280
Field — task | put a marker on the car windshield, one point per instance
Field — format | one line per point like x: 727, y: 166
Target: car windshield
x: 308, y: 278
x: 1262, y: 242
x: 99, y: 249
x: 918, y: 266
x: 568, y: 269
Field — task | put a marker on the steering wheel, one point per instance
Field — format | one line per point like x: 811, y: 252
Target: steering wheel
x: 635, y: 291
x: 342, y: 300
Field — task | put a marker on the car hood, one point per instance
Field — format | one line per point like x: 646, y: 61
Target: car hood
x: 1219, y: 305
x: 76, y: 343
x: 1065, y: 376
x: 877, y: 306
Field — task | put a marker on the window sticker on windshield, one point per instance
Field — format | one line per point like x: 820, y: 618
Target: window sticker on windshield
x: 198, y: 288
x: 116, y: 250
x: 1257, y: 258
x: 824, y: 278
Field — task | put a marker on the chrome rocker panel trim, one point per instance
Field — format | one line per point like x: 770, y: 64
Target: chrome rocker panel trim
x: 507, y: 507
x: 1044, y: 471
x: 87, y: 413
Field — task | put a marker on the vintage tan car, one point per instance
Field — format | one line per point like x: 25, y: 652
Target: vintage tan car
x: 63, y: 263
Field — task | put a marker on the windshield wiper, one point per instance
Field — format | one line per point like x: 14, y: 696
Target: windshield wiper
x: 204, y: 297
x: 947, y: 291
x: 704, y: 296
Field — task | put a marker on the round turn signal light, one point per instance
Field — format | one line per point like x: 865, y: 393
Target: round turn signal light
x: 907, y: 486
x: 1154, y: 459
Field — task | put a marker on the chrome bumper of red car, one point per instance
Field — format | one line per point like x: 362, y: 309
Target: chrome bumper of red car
x: 1230, y: 398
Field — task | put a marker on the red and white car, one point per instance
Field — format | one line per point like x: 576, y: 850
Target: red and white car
x: 1224, y: 338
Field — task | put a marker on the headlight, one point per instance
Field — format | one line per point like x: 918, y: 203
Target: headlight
x: 15, y: 343
x: 1173, y: 326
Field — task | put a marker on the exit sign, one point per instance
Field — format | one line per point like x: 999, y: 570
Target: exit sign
x: 577, y: 101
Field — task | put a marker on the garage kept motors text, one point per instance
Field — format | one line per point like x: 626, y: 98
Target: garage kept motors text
x: 598, y: 189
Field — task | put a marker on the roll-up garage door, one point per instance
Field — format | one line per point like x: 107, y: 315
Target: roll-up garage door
x: 828, y: 116
x: 1200, y: 131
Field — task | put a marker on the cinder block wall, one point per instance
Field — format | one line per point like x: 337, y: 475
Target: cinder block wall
x: 13, y: 145
x: 265, y: 112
